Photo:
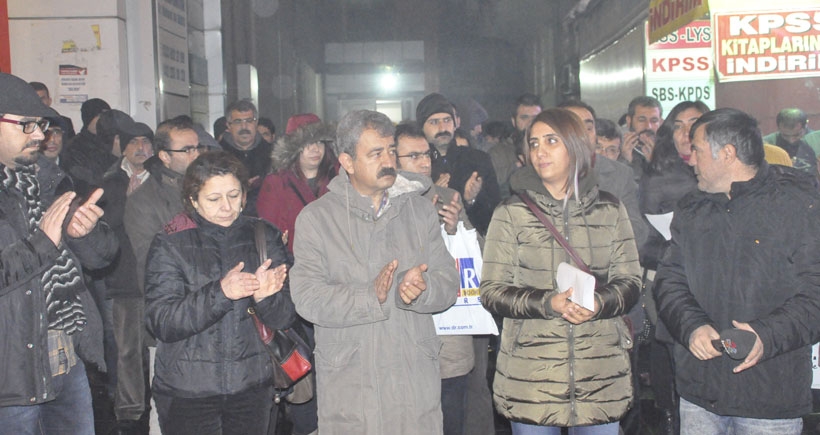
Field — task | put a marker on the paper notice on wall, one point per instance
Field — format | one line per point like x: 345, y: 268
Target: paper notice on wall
x: 73, y: 84
x: 815, y: 368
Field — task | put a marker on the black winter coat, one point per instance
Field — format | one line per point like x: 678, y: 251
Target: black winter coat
x: 753, y: 258
x: 25, y: 374
x: 86, y: 159
x: 208, y: 345
x: 660, y: 193
x: 460, y: 163
x: 121, y: 275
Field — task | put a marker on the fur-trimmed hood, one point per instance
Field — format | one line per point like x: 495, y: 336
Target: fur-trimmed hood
x: 288, y: 147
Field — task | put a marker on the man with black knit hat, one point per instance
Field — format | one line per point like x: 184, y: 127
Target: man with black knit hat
x: 121, y: 180
x: 51, y: 328
x: 86, y: 158
x: 466, y: 170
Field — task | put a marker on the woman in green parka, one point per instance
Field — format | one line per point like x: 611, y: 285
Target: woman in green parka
x: 560, y: 365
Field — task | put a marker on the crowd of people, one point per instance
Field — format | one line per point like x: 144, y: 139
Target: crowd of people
x: 132, y: 260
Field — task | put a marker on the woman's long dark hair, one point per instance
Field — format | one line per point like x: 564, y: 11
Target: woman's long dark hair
x: 665, y: 154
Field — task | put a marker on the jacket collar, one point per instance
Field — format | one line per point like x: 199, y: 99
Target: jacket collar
x: 406, y: 184
x: 527, y: 179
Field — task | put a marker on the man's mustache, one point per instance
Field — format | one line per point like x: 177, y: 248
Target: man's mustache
x: 244, y: 131
x: 386, y: 172
x: 444, y: 133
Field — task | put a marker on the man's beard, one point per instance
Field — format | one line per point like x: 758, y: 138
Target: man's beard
x: 28, y: 159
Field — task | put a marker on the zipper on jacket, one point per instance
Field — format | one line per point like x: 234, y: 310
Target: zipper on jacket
x: 573, y: 416
x: 516, y: 345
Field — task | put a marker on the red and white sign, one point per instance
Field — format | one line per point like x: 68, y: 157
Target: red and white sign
x: 767, y: 45
x: 679, y: 66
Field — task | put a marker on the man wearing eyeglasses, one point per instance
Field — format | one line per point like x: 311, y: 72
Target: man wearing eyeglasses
x: 51, y: 327
x: 466, y: 403
x: 54, y: 181
x: 243, y: 141
x: 149, y: 208
x: 466, y: 170
x: 45, y: 97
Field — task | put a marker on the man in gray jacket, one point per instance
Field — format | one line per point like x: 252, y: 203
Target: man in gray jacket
x: 370, y: 270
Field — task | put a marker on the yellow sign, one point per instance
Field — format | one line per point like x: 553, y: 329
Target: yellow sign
x: 666, y: 16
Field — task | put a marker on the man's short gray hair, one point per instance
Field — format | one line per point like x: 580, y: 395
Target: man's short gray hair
x: 354, y: 123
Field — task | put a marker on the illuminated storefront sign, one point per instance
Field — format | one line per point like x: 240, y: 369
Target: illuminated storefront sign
x: 767, y: 45
x: 679, y: 66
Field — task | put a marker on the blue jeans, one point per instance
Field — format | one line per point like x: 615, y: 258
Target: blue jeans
x: 532, y: 429
x: 695, y: 420
x: 69, y: 413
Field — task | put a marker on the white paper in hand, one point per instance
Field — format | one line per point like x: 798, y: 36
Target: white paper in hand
x: 582, y: 283
x: 662, y: 223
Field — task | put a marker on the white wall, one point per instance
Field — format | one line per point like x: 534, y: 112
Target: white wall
x: 118, y: 58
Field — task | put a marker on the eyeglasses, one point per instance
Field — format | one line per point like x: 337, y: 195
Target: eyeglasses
x: 188, y: 150
x: 54, y: 132
x: 238, y: 122
x: 29, y: 126
x: 417, y: 156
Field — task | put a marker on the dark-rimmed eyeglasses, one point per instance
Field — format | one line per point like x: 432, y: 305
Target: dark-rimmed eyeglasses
x: 417, y: 156
x: 188, y: 150
x: 29, y: 126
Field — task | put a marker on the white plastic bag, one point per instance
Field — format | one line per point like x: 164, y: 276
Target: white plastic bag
x: 467, y: 316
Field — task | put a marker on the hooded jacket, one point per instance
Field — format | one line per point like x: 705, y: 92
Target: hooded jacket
x: 284, y: 193
x: 208, y: 344
x: 377, y: 368
x: 753, y: 258
x: 550, y: 372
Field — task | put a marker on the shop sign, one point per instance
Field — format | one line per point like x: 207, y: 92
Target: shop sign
x: 679, y: 66
x: 767, y: 45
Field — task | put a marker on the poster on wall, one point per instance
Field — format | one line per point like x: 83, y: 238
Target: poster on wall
x: 679, y: 66
x: 764, y: 45
x: 73, y: 84
x: 665, y: 16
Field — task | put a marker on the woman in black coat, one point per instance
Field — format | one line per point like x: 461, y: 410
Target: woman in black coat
x: 212, y: 373
x: 666, y: 180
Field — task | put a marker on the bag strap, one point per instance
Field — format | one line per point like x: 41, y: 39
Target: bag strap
x: 261, y: 240
x: 555, y: 234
